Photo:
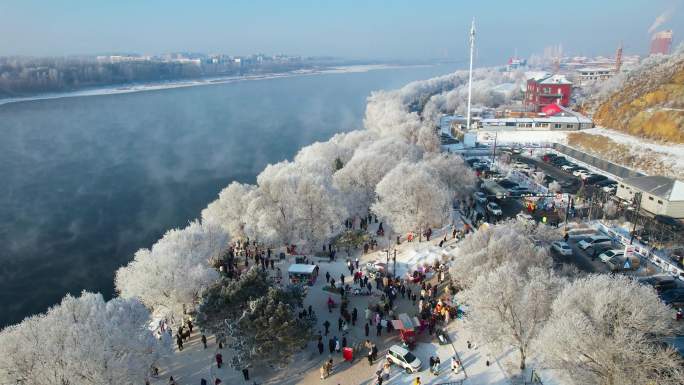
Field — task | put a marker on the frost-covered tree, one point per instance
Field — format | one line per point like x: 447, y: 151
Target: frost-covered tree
x: 608, y: 330
x: 230, y: 209
x: 358, y: 179
x: 292, y: 205
x: 227, y: 299
x: 259, y: 319
x: 82, y: 341
x: 491, y: 246
x: 508, y: 309
x: 453, y: 172
x: 269, y: 332
x: 411, y: 199
x: 325, y: 158
x: 170, y: 276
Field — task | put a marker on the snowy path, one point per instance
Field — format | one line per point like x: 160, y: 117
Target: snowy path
x: 194, y: 362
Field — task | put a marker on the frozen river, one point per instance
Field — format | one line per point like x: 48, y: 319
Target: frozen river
x: 86, y: 181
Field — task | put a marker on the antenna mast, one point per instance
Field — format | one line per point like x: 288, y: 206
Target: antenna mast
x: 470, y: 73
x: 618, y: 59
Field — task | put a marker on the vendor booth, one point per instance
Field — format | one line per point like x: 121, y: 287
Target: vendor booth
x: 302, y: 274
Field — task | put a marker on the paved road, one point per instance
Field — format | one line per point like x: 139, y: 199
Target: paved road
x: 582, y: 259
x: 570, y: 182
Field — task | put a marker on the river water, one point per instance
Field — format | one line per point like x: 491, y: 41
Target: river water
x: 86, y: 181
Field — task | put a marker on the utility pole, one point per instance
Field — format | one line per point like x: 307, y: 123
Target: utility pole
x: 637, y: 197
x: 470, y: 73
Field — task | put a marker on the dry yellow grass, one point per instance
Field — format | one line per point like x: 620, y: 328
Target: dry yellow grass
x: 651, y: 107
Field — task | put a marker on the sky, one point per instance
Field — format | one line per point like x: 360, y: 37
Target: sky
x: 370, y: 29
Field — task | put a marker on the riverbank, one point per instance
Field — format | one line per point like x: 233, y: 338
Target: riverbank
x: 156, y: 86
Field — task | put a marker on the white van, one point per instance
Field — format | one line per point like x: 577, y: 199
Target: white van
x: 405, y: 359
x: 595, y: 240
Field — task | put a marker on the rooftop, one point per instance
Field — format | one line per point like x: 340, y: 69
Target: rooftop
x: 660, y: 186
x: 555, y: 79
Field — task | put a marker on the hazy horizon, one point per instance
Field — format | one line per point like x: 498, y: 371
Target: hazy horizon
x: 398, y: 30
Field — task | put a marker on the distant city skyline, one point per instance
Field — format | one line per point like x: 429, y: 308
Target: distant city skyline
x: 396, y: 30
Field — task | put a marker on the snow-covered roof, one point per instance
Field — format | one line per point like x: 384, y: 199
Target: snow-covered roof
x: 545, y: 119
x: 556, y: 79
x: 660, y: 186
x: 300, y: 268
x: 594, y: 69
x: 536, y: 75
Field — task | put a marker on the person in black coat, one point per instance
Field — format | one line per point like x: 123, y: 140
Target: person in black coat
x: 331, y: 345
x: 378, y: 328
x: 355, y: 314
x: 320, y: 347
x: 367, y: 329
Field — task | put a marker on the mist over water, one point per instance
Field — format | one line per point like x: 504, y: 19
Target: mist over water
x: 86, y: 181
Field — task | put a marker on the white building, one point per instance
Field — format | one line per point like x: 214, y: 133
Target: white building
x: 659, y: 195
x: 592, y: 74
x: 542, y: 123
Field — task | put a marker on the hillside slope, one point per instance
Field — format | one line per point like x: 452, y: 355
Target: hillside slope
x: 647, y: 102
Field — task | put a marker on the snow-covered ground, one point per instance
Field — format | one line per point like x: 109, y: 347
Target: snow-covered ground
x: 671, y: 153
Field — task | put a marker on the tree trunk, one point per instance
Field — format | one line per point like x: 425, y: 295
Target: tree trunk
x: 522, y: 359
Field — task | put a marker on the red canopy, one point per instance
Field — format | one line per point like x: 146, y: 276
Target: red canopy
x: 551, y: 109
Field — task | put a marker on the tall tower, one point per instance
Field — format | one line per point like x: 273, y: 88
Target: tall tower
x: 618, y: 59
x: 470, y: 73
x: 661, y: 43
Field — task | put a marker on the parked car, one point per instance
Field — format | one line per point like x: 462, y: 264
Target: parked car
x: 593, y: 178
x: 519, y: 164
x: 673, y: 297
x: 505, y: 183
x: 608, y: 254
x: 480, y: 197
x: 616, y: 263
x: 581, y: 173
x: 660, y: 282
x: 403, y: 358
x: 494, y: 208
x: 518, y: 190
x: 594, y: 240
x: 676, y: 224
x: 561, y: 248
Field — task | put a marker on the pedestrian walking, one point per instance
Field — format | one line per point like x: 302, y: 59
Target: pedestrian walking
x: 245, y: 374
x: 320, y: 347
x: 340, y: 321
x: 367, y: 329
x: 326, y: 325
x: 219, y: 359
x: 344, y: 342
x: 417, y: 381
x: 379, y: 380
x: 341, y: 280
x: 189, y: 327
x: 331, y: 345
x: 179, y: 342
x: 327, y: 277
x: 455, y: 365
x: 337, y: 344
x: 310, y: 310
x: 204, y: 341
x: 354, y: 315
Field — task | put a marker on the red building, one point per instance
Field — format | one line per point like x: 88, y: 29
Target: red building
x: 542, y: 91
x: 661, y: 43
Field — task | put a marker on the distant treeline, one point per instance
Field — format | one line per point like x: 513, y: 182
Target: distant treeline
x: 28, y: 76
